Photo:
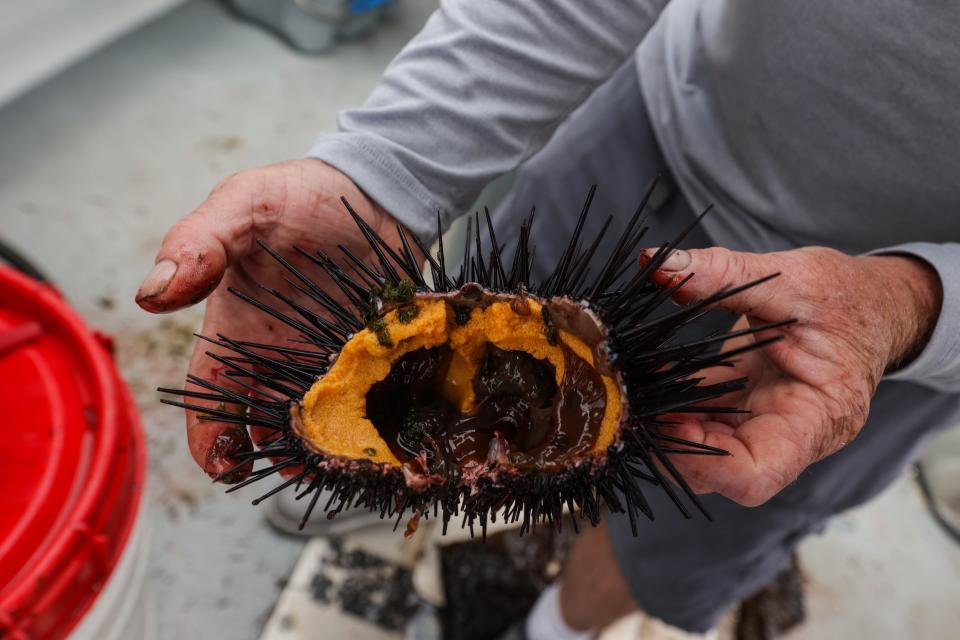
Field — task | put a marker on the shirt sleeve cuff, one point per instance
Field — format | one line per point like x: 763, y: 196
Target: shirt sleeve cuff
x: 938, y: 365
x: 383, y: 179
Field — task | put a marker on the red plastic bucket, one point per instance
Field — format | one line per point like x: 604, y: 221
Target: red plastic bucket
x: 72, y: 464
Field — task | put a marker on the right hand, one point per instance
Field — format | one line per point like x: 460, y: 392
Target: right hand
x: 294, y: 203
x: 808, y: 394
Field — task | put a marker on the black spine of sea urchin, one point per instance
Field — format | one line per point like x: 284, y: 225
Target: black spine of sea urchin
x: 657, y: 368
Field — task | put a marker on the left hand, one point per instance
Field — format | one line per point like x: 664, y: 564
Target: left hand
x: 808, y: 394
x: 288, y: 204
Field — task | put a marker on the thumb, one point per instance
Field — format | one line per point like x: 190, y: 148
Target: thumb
x: 197, y: 250
x: 717, y: 269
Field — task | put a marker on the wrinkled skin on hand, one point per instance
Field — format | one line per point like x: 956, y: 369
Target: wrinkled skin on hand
x: 214, y: 247
x: 809, y: 393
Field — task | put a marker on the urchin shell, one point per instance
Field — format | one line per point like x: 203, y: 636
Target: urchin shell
x: 655, y: 369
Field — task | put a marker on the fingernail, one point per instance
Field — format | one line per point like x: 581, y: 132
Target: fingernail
x: 226, y: 455
x: 676, y: 261
x: 157, y: 280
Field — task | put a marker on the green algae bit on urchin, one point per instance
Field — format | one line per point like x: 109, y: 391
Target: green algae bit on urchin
x: 481, y: 395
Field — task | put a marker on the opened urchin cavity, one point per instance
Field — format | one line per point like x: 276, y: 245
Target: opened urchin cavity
x: 449, y: 384
x: 479, y: 395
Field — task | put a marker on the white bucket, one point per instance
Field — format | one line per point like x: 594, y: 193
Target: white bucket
x: 122, y: 611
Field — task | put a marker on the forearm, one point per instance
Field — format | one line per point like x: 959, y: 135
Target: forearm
x: 477, y: 92
x: 925, y: 288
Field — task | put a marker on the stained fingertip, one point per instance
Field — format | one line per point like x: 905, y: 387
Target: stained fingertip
x: 233, y: 475
x: 193, y: 281
x: 645, y: 258
x: 225, y: 457
x: 151, y: 296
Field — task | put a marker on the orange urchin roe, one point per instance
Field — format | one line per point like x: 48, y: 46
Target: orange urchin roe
x: 333, y: 413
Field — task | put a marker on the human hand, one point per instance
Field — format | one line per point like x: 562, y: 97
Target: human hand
x: 808, y: 394
x: 295, y: 203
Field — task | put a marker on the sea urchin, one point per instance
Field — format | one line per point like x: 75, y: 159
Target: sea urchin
x: 482, y: 394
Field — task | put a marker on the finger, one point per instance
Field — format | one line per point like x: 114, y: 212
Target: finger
x: 217, y: 447
x: 265, y: 437
x: 766, y: 454
x: 740, y: 366
x: 716, y: 269
x: 738, y: 377
x: 748, y: 367
x: 198, y: 249
x: 677, y: 431
x: 730, y: 407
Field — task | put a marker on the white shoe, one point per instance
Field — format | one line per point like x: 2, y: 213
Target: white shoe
x: 939, y: 479
x: 284, y: 512
x: 640, y: 626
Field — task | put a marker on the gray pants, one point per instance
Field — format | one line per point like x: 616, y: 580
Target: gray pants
x: 688, y: 572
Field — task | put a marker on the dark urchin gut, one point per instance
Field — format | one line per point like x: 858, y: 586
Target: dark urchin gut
x: 655, y: 369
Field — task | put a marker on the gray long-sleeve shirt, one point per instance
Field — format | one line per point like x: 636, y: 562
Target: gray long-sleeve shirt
x: 806, y: 123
